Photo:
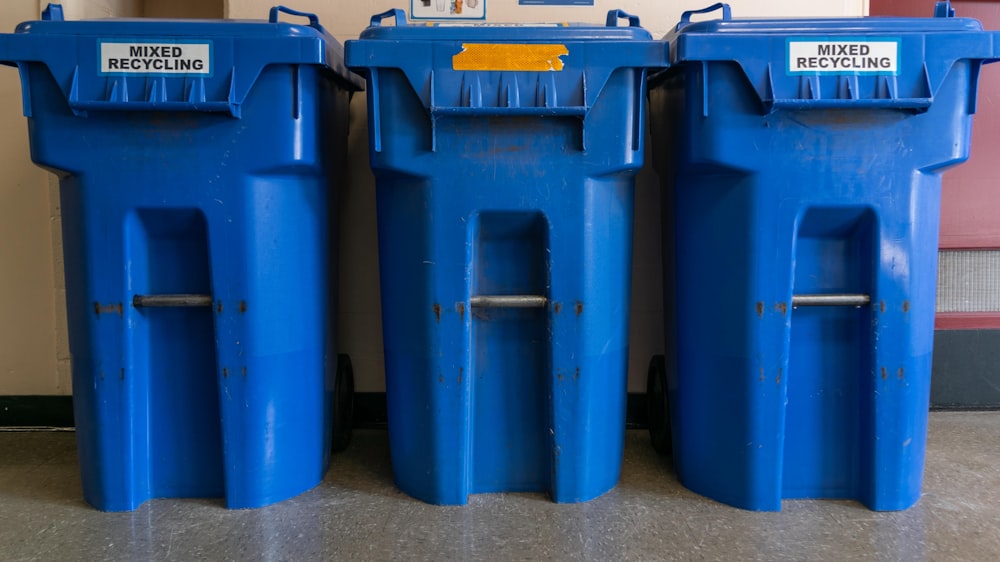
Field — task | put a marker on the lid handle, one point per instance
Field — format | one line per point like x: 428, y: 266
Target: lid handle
x: 727, y: 13
x: 944, y: 9
x: 615, y: 15
x: 313, y: 18
x: 396, y: 13
x: 53, y: 12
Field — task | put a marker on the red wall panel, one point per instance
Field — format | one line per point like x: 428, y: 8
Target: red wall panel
x: 970, y: 199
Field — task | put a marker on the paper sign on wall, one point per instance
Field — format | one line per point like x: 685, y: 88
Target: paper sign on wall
x: 448, y: 9
x: 556, y: 2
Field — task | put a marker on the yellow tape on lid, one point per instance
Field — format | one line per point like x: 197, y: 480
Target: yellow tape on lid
x: 509, y: 56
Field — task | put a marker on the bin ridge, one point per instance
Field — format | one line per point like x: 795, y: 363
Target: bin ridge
x: 926, y: 55
x: 441, y: 87
x: 102, y: 66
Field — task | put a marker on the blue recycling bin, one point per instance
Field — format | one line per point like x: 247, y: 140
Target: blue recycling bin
x: 195, y: 163
x: 504, y: 160
x: 801, y: 163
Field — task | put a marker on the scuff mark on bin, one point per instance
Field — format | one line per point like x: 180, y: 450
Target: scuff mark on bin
x: 437, y: 312
x: 576, y: 374
x: 440, y: 377
x: 900, y: 374
x: 556, y: 307
x: 244, y: 372
x: 760, y: 309
x: 218, y: 307
x: 881, y: 306
x: 105, y: 308
x: 579, y: 308
x: 781, y: 307
x: 121, y: 374
x: 777, y: 379
x: 906, y: 306
x: 885, y: 374
x: 461, y: 372
x: 243, y: 306
x: 460, y: 307
x: 559, y: 374
x: 762, y: 377
x: 225, y: 373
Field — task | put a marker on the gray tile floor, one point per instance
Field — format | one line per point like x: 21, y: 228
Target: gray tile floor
x: 356, y: 513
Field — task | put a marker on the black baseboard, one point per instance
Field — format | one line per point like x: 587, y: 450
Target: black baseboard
x: 966, y: 372
x: 369, y: 411
x: 36, y: 411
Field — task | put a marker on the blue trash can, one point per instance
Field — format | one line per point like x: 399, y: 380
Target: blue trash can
x: 195, y: 160
x: 801, y: 163
x: 504, y: 159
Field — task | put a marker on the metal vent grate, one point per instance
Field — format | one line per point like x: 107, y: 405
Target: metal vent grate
x: 968, y: 281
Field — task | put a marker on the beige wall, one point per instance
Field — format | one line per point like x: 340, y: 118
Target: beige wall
x: 33, y: 349
x: 656, y: 15
x: 28, y: 356
x: 205, y: 9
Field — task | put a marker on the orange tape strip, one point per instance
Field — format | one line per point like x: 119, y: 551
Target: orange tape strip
x: 509, y: 56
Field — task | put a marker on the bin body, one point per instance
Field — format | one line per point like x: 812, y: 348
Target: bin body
x: 211, y: 185
x: 495, y: 181
x: 780, y: 182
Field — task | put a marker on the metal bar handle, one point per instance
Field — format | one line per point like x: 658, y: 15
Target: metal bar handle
x: 178, y: 300
x: 508, y: 301
x: 831, y: 300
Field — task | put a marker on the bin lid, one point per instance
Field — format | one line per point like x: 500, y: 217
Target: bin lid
x: 504, y: 32
x: 505, y: 69
x: 825, y: 62
x: 219, y: 54
x: 720, y: 29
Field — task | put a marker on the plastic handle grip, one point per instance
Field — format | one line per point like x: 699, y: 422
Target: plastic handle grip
x: 727, y: 13
x: 944, y: 9
x: 53, y: 12
x: 615, y: 15
x: 399, y: 15
x: 313, y: 18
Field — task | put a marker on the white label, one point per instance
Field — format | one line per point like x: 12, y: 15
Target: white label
x: 156, y: 58
x: 843, y: 57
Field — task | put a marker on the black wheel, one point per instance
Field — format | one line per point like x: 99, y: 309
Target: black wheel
x: 658, y: 404
x: 343, y: 403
